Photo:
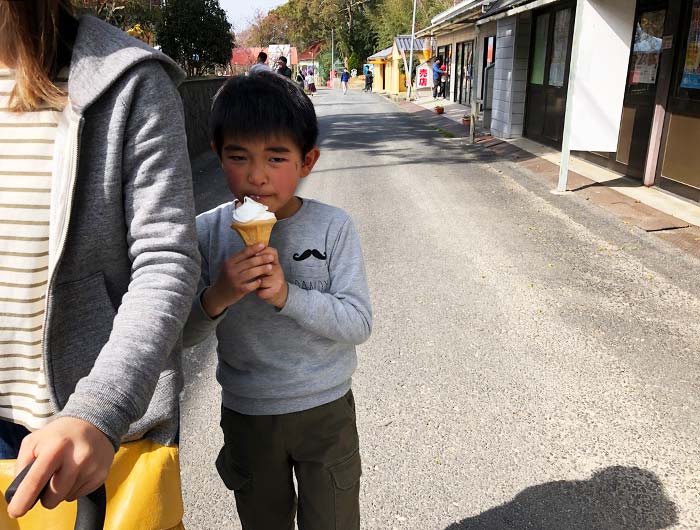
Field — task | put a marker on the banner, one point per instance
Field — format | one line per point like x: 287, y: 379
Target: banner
x: 691, y: 71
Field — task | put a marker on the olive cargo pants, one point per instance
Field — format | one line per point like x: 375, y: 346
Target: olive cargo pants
x: 321, y: 446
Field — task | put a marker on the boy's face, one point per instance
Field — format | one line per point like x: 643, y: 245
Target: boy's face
x: 267, y: 171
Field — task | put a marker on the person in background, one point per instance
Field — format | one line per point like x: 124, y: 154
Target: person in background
x: 344, y: 78
x: 443, y: 81
x: 437, y: 74
x: 310, y: 82
x: 282, y: 67
x: 369, y: 79
x: 260, y: 65
x: 98, y: 248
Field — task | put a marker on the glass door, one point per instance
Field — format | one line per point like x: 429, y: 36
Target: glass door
x: 640, y: 94
x: 549, y: 74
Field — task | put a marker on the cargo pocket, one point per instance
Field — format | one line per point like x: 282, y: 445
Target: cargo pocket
x: 234, y: 478
x: 346, y: 482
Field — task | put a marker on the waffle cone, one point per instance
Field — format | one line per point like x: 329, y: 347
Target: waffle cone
x: 255, y: 231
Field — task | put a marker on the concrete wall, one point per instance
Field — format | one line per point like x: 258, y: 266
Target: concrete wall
x: 510, y: 78
x: 197, y: 96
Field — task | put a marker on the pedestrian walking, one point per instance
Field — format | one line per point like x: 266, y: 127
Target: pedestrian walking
x: 99, y: 259
x: 344, y: 78
x: 287, y: 317
x: 282, y: 67
x: 310, y: 82
x: 260, y: 65
x: 437, y: 74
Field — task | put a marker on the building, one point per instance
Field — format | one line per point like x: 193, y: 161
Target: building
x: 391, y: 64
x: 615, y: 82
x: 380, y: 60
x: 453, y: 32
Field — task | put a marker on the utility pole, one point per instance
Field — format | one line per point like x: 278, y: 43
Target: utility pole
x: 332, y: 59
x: 410, y: 61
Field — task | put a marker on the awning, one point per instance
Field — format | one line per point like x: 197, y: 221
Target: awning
x: 456, y: 17
x: 380, y: 56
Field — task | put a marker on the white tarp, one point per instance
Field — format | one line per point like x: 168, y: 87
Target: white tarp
x: 599, y: 73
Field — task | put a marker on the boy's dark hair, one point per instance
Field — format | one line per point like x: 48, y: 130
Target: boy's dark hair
x: 283, y: 59
x: 263, y: 105
x: 262, y: 57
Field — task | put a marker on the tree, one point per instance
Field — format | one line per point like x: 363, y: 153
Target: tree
x: 266, y: 29
x: 395, y: 17
x: 125, y: 14
x: 196, y: 34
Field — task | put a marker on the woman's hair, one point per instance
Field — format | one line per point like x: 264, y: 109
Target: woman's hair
x: 30, y: 44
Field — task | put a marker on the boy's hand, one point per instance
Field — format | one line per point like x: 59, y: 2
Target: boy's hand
x: 239, y: 275
x: 273, y: 288
x: 71, y: 454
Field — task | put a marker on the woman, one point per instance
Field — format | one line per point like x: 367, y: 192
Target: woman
x: 310, y: 82
x: 98, y: 256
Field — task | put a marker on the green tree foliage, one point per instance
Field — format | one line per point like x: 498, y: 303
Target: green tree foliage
x: 124, y: 14
x: 361, y: 26
x: 394, y: 17
x: 354, y: 62
x: 267, y: 29
x: 196, y: 34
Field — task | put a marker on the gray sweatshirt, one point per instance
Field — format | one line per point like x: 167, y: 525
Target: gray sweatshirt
x: 123, y: 260
x: 280, y: 361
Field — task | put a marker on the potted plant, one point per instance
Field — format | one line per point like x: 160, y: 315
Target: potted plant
x: 467, y: 120
x: 439, y: 109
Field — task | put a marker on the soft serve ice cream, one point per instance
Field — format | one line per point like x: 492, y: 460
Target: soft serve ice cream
x: 252, y: 221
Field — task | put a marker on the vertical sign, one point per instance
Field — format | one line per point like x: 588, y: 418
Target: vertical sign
x: 691, y: 71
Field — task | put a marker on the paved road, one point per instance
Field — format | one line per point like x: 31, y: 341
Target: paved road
x: 534, y: 362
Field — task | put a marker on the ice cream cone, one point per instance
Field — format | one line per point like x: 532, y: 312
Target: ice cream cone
x: 255, y: 231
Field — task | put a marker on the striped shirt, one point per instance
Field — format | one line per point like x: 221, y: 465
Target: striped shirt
x: 26, y: 163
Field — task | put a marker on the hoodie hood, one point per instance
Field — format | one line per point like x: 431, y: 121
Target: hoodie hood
x: 102, y: 53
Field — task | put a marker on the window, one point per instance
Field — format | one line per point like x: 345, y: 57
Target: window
x: 539, y: 54
x: 560, y: 47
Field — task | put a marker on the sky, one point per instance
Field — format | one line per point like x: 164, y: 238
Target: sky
x: 241, y: 11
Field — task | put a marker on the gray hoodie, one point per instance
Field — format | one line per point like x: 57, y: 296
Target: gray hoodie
x: 123, y: 259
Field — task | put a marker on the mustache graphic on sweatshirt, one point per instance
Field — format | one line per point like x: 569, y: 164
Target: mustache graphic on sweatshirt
x: 308, y: 253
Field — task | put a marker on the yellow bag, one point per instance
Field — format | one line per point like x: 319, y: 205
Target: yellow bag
x: 143, y: 493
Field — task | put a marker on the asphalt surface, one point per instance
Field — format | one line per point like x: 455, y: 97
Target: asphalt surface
x: 534, y: 361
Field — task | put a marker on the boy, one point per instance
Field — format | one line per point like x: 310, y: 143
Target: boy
x: 287, y: 318
x: 344, y: 78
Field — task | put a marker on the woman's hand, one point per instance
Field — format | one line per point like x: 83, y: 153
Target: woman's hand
x: 71, y: 454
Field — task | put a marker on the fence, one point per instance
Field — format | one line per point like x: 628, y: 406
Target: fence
x: 197, y: 95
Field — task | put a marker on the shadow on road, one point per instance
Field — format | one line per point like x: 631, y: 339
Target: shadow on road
x: 382, y: 134
x: 615, y: 498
